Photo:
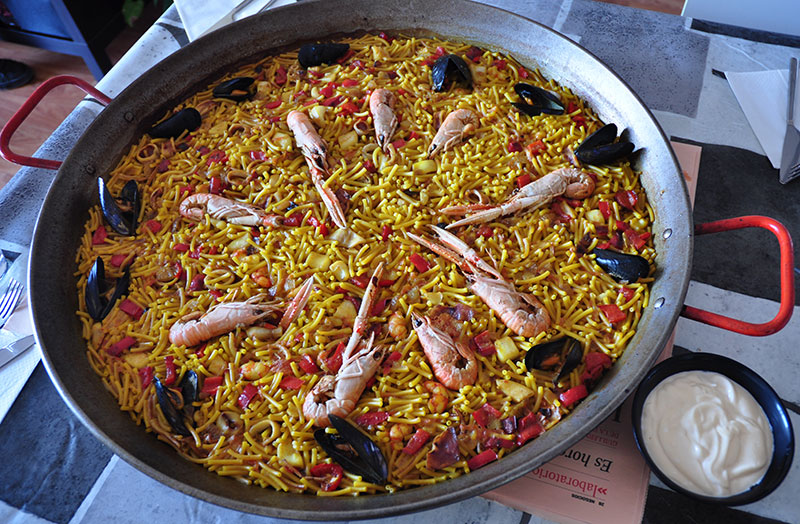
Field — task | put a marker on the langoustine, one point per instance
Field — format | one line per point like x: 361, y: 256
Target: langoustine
x: 197, y: 327
x: 522, y: 313
x: 457, y: 126
x: 381, y: 106
x: 567, y: 181
x: 195, y: 207
x: 453, y: 363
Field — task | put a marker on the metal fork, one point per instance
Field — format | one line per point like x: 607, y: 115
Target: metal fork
x: 9, y: 300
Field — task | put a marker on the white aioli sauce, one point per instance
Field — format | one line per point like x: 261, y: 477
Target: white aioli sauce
x: 707, y: 433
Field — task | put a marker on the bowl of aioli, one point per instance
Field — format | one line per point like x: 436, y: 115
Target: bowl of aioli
x: 712, y: 429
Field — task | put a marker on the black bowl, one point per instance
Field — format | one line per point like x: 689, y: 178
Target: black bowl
x: 782, y: 435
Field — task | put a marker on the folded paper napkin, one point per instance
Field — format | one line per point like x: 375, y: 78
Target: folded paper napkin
x: 199, y: 15
x: 764, y: 98
x: 14, y: 374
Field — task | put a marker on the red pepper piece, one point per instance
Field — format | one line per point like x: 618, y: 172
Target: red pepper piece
x: 118, y: 259
x: 485, y: 231
x: 572, y: 107
x: 635, y: 239
x: 561, y: 214
x: 293, y: 221
x: 314, y: 221
x: 483, y: 342
x: 323, y: 229
x: 163, y: 166
x: 481, y: 417
x: 331, y: 475
x: 481, y: 459
x: 420, y: 263
x: 491, y: 410
x: 291, y: 382
x: 213, y: 250
x: 416, y: 442
x: 372, y: 418
x: 120, y: 347
x: 627, y: 293
x: 386, y: 282
x: 348, y: 108
x: 598, y: 359
x: 335, y: 362
x: 274, y: 104
x: 390, y: 359
x: 247, y: 395
x: 308, y: 365
x: 369, y: 166
x: 217, y: 293
x: 197, y: 283
x: 187, y: 189
x: 604, y: 208
x: 216, y: 157
x: 201, y: 351
x: 513, y: 146
x: 523, y: 180
x: 627, y: 199
x: 474, y: 54
x: 332, y: 101
x: 131, y: 308
x: 183, y: 248
x: 500, y: 64
x: 210, y: 385
x: 613, y: 313
x: 386, y: 230
x: 215, y: 185
x: 203, y: 150
x: 146, y: 376
x: 522, y: 72
x: 99, y: 235
x: 573, y: 395
x: 327, y: 91
x: 258, y: 156
x: 169, y: 373
x: 602, y: 231
x: 580, y: 120
x: 345, y: 57
x: 371, y: 381
x: 378, y: 307
x: 536, y: 148
x: 529, y: 427
x: 349, y: 82
x: 399, y: 143
x: 361, y: 281
x: 440, y: 51
x: 154, y: 225
x: 616, y: 240
x: 280, y: 76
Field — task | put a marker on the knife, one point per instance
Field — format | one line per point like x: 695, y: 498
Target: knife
x: 15, y: 349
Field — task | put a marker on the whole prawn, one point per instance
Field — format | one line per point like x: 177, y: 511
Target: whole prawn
x: 198, y: 327
x: 454, y: 129
x: 194, y: 207
x: 381, y: 106
x: 453, y: 363
x: 567, y: 181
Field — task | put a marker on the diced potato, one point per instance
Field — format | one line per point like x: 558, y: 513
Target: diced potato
x: 239, y: 243
x: 506, y: 349
x: 287, y: 452
x: 216, y: 366
x: 348, y: 140
x: 340, y: 270
x: 347, y: 237
x: 218, y: 129
x: 137, y: 360
x: 595, y: 216
x: 283, y: 141
x: 219, y: 224
x: 517, y: 392
x: 262, y: 333
x: 317, y: 114
x: 435, y: 298
x: 424, y: 166
x: 346, y: 311
x: 319, y: 262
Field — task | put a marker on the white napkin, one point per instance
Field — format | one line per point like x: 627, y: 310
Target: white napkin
x: 764, y: 98
x: 199, y: 15
x: 15, y: 374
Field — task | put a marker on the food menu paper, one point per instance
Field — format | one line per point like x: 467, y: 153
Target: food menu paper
x: 603, y: 478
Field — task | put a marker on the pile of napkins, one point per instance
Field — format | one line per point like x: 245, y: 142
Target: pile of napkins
x: 198, y: 17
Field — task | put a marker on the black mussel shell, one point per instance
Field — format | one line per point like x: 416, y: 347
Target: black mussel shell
x: 353, y: 450
x: 561, y: 356
x: 122, y: 215
x: 187, y: 119
x: 241, y: 85
x: 450, y: 68
x: 605, y: 154
x: 622, y: 266
x: 97, y: 304
x: 536, y: 100
x: 318, y: 54
x: 169, y: 401
x: 190, y: 388
x: 600, y: 148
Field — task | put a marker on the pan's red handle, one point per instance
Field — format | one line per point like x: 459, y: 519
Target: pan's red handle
x: 23, y: 112
x: 787, y: 278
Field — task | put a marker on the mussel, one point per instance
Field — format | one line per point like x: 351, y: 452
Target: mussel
x: 558, y: 356
x: 172, y: 406
x: 187, y: 119
x: 536, y: 100
x: 123, y: 214
x: 97, y: 303
x: 353, y: 450
x: 622, y: 266
x: 318, y: 54
x: 600, y: 148
x: 449, y: 69
x: 236, y: 89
